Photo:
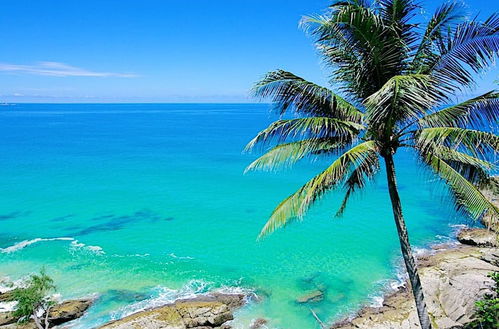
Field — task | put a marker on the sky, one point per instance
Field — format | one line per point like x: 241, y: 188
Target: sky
x: 159, y: 50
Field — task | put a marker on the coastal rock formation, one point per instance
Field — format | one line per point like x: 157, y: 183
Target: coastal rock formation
x: 452, y: 281
x: 68, y: 311
x: 61, y: 313
x: 7, y: 318
x: 478, y: 237
x: 204, y: 312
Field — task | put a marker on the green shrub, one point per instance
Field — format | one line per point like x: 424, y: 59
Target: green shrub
x: 487, y: 309
x: 32, y: 300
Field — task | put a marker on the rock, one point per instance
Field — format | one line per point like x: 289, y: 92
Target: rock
x: 478, y: 237
x: 7, y: 318
x: 233, y: 301
x: 6, y: 296
x: 68, y: 311
x: 452, y: 281
x: 312, y: 297
x: 204, y: 312
x: 29, y: 325
x: 258, y: 323
x: 61, y: 313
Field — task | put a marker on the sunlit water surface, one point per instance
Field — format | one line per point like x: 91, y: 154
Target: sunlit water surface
x: 140, y: 204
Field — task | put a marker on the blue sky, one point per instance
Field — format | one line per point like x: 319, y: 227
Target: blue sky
x: 158, y: 50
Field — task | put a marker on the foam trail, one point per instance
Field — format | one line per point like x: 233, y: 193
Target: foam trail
x: 26, y: 243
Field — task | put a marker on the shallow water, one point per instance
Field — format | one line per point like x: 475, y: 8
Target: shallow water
x: 145, y: 203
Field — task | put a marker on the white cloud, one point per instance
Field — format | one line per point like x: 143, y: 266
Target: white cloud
x: 56, y: 69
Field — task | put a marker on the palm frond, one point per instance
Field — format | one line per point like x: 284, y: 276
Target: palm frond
x: 365, y: 170
x: 472, y: 168
x: 400, y: 99
x: 285, y: 155
x: 476, y: 142
x: 472, y: 48
x: 475, y: 113
x: 358, y: 44
x: 310, y: 127
x: 467, y: 195
x: 290, y: 92
x: 298, y: 203
x: 445, y: 19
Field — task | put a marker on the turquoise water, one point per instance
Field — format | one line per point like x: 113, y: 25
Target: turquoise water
x: 142, y: 203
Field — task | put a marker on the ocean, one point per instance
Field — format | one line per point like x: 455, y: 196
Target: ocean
x: 140, y: 204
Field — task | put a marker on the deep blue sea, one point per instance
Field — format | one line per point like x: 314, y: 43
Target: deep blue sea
x: 140, y: 204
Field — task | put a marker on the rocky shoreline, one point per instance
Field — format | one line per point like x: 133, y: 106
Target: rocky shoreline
x: 212, y: 311
x: 61, y: 313
x: 453, y: 278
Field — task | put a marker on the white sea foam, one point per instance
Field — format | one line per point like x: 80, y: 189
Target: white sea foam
x: 26, y: 243
x: 77, y: 245
x: 172, y: 255
x: 7, y: 306
x: 162, y: 296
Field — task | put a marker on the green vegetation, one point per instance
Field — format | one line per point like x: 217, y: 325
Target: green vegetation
x: 487, y: 309
x: 32, y: 300
x: 395, y: 78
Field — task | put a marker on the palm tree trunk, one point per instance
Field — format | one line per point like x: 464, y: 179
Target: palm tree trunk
x: 405, y: 246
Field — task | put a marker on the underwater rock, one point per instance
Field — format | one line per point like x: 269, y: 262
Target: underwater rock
x: 258, y: 323
x: 312, y: 297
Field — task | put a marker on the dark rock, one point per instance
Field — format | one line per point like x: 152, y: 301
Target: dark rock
x: 478, y: 237
x: 233, y: 301
x: 258, y: 323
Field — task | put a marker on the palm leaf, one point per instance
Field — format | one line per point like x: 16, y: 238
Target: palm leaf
x: 361, y: 48
x: 471, y: 48
x: 289, y: 153
x: 467, y: 195
x: 288, y: 91
x: 476, y: 142
x: 298, y: 203
x: 400, y: 99
x: 311, y: 127
x: 366, y: 169
x: 475, y: 113
x: 444, y: 19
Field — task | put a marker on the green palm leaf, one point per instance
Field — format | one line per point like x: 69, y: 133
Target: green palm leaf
x: 298, y: 203
x: 400, y: 99
x: 471, y: 48
x: 365, y: 170
x: 476, y: 113
x: 474, y: 141
x: 466, y: 194
x: 311, y: 127
x: 287, y: 154
x: 444, y: 19
x: 290, y: 91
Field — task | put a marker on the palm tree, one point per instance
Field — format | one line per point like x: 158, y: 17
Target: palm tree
x: 395, y: 79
